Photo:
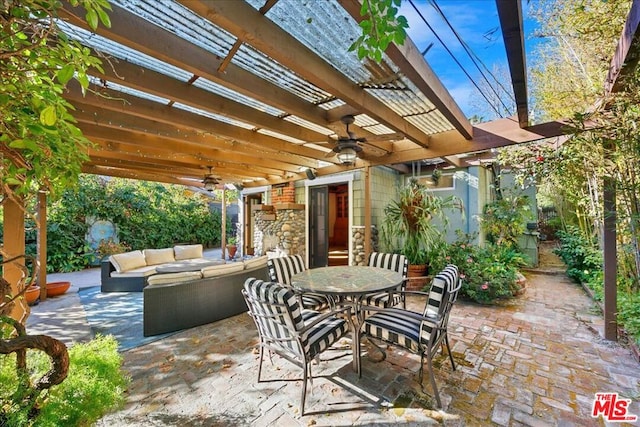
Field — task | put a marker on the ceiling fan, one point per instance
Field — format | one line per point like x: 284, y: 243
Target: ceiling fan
x: 348, y: 147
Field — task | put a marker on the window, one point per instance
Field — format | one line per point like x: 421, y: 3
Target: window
x: 444, y: 182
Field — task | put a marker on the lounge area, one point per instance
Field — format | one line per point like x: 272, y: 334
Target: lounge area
x: 537, y: 360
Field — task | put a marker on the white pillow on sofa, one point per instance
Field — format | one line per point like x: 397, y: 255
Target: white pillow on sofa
x: 128, y: 261
x: 187, y: 251
x: 158, y: 256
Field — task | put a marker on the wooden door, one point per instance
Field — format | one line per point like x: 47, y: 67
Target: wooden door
x: 318, y: 226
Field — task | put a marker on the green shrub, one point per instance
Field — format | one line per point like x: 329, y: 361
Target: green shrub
x: 146, y: 214
x: 582, y: 257
x: 94, y: 386
x: 488, y: 273
x: 629, y: 313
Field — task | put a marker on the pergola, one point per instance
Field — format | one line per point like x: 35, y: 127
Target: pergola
x: 254, y: 92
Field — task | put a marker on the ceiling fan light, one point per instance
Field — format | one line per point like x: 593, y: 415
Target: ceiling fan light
x: 347, y: 156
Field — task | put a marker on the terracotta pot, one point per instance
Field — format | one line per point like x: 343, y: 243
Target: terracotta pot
x: 418, y: 278
x: 232, y: 251
x: 32, y: 295
x: 57, y: 288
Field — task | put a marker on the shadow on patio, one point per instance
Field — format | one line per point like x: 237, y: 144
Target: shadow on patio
x: 536, y: 361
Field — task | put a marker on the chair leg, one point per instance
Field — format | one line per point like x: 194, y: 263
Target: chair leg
x: 260, y: 363
x: 304, y: 386
x: 446, y: 340
x: 432, y: 379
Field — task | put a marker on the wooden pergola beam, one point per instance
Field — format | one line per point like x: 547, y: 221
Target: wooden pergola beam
x: 139, y: 34
x: 413, y: 65
x: 510, y: 13
x: 150, y: 110
x: 250, y: 26
x: 149, y: 81
x: 495, y: 134
x: 123, y: 135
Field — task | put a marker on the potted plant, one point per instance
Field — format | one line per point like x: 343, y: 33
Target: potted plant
x: 408, y: 226
x: 232, y: 247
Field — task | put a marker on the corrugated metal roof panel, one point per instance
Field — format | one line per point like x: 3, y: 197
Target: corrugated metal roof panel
x: 213, y: 116
x: 213, y: 87
x: 124, y: 53
x: 263, y: 66
x: 280, y: 136
x: 183, y: 22
x: 130, y: 91
x: 302, y: 122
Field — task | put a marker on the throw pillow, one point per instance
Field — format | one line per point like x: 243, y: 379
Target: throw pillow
x: 187, y: 251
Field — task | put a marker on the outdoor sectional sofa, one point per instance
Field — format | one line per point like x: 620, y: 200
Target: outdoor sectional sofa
x: 176, y: 301
x: 130, y: 271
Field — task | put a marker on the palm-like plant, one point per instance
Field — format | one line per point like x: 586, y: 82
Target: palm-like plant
x: 408, y: 228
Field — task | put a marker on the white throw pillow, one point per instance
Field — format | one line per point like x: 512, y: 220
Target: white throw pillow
x: 221, y: 270
x: 128, y: 261
x: 187, y: 251
x: 158, y: 256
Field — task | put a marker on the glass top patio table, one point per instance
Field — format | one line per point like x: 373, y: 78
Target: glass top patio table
x: 346, y: 280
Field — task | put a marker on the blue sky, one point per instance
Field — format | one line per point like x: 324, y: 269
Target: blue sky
x: 478, y: 25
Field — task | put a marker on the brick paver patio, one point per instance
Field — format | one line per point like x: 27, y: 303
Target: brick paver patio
x: 537, y: 361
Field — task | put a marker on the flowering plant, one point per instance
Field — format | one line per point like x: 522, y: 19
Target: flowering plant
x: 488, y: 273
x: 109, y: 246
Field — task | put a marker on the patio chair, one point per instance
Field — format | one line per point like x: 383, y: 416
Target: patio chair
x: 420, y: 333
x: 286, y: 329
x: 282, y: 269
x: 395, y: 262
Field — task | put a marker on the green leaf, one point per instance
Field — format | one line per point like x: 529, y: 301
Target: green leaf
x: 48, y: 116
x: 84, y: 80
x: 65, y: 74
x: 17, y: 143
x: 104, y: 18
x: 92, y: 19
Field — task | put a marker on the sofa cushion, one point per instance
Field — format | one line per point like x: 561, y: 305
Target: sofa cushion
x: 145, y: 271
x: 128, y: 261
x: 158, y: 256
x: 187, y: 251
x: 255, y: 262
x: 194, y: 264
x: 221, y: 270
x: 169, y: 278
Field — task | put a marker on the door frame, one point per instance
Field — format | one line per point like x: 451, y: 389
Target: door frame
x: 264, y: 190
x: 347, y: 178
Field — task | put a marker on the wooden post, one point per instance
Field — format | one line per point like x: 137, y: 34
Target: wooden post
x: 223, y: 227
x: 610, y: 256
x: 367, y: 212
x: 14, y: 245
x: 42, y: 244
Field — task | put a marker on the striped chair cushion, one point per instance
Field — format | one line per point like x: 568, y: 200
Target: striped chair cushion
x: 278, y: 314
x: 323, y: 335
x: 394, y: 262
x: 394, y: 326
x: 282, y: 269
x: 314, y: 302
x: 442, y: 284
